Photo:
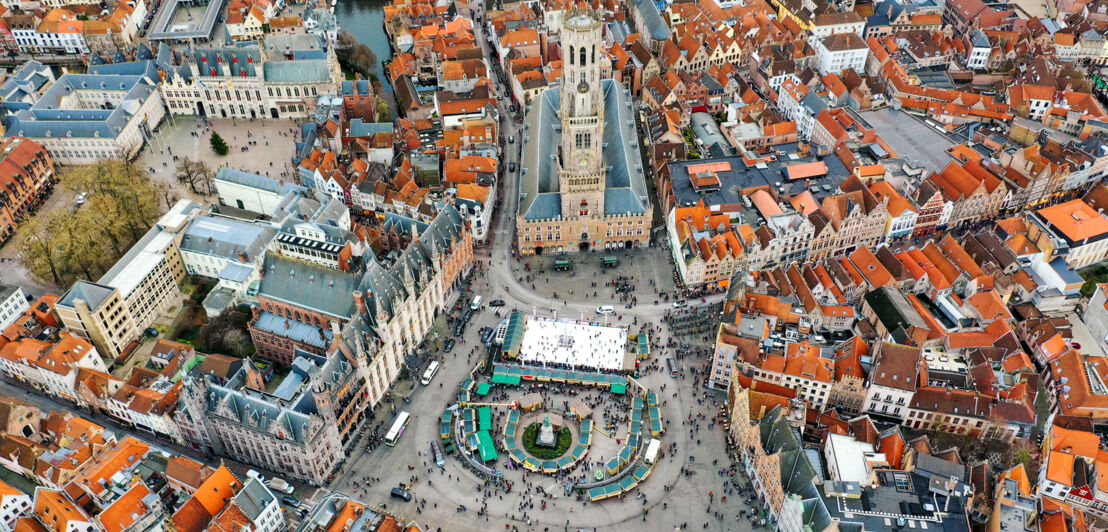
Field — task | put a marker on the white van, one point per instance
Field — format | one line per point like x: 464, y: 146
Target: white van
x: 430, y: 373
x: 476, y: 304
x: 652, y: 449
x: 606, y: 309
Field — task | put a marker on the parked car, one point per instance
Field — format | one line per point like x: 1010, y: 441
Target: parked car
x: 291, y: 501
x: 279, y: 484
x: 496, y: 303
x: 448, y: 346
x: 400, y: 493
x: 511, y: 167
x: 81, y: 198
x: 605, y: 309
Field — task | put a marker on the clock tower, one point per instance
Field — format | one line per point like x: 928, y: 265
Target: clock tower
x: 581, y: 164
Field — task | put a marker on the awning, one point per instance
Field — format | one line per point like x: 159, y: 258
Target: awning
x: 609, y: 259
x: 613, y: 465
x: 498, y: 378
x: 619, y: 389
x: 483, y: 388
x: 485, y: 447
x: 484, y: 416
x: 513, y: 339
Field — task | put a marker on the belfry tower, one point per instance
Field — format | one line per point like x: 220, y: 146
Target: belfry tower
x: 581, y: 164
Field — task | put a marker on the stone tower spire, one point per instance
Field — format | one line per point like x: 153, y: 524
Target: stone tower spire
x: 581, y: 165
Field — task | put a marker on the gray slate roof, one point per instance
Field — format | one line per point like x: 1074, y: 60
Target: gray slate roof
x: 304, y: 71
x: 226, y: 238
x: 539, y: 196
x: 652, y: 19
x: 47, y: 117
x: 309, y: 286
x: 261, y: 182
x: 93, y: 294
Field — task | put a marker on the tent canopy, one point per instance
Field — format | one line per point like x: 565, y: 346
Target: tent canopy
x: 513, y: 339
x: 484, y: 416
x: 485, y: 446
x: 483, y: 388
x: 619, y: 389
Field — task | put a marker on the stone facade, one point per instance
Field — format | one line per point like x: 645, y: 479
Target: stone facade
x: 590, y: 209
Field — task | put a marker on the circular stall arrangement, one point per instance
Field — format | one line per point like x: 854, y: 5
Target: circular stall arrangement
x: 546, y: 427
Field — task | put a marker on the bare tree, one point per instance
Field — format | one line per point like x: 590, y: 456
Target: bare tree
x: 192, y: 173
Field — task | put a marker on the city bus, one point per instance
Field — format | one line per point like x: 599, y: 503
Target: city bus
x: 672, y: 366
x: 430, y: 373
x: 397, y: 429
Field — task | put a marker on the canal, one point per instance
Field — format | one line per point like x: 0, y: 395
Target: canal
x: 365, y: 20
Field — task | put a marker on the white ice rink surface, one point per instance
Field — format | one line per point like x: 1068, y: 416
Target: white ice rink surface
x: 554, y: 341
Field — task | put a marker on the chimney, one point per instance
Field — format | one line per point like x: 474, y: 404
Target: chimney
x: 359, y: 303
x: 242, y: 257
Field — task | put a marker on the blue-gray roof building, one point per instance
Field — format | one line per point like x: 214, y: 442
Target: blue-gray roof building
x: 84, y: 118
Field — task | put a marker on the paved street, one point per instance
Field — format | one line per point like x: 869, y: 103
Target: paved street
x: 20, y: 391
x: 672, y: 498
x: 444, y: 490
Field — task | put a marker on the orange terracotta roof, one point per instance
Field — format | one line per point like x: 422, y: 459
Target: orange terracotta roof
x: 125, y: 455
x: 214, y: 493
x: 1060, y: 468
x: 1075, y: 442
x: 989, y: 306
x: 126, y: 510
x: 479, y: 193
x: 871, y: 268
x: 806, y: 170
x: 804, y: 203
x: 61, y: 510
x: 1076, y: 219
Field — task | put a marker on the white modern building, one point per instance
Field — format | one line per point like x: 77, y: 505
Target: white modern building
x: 840, y: 51
x: 12, y: 304
x: 252, y: 192
x: 210, y: 243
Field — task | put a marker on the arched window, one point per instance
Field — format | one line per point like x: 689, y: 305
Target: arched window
x: 581, y: 60
x: 570, y: 55
x: 594, y: 53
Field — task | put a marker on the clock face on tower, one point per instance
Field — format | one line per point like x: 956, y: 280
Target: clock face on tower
x: 583, y: 161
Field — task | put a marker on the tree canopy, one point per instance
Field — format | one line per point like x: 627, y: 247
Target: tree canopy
x: 121, y: 205
x: 227, y: 333
x: 219, y: 146
x: 354, y: 56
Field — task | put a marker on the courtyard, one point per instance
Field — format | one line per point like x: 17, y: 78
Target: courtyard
x: 252, y: 143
